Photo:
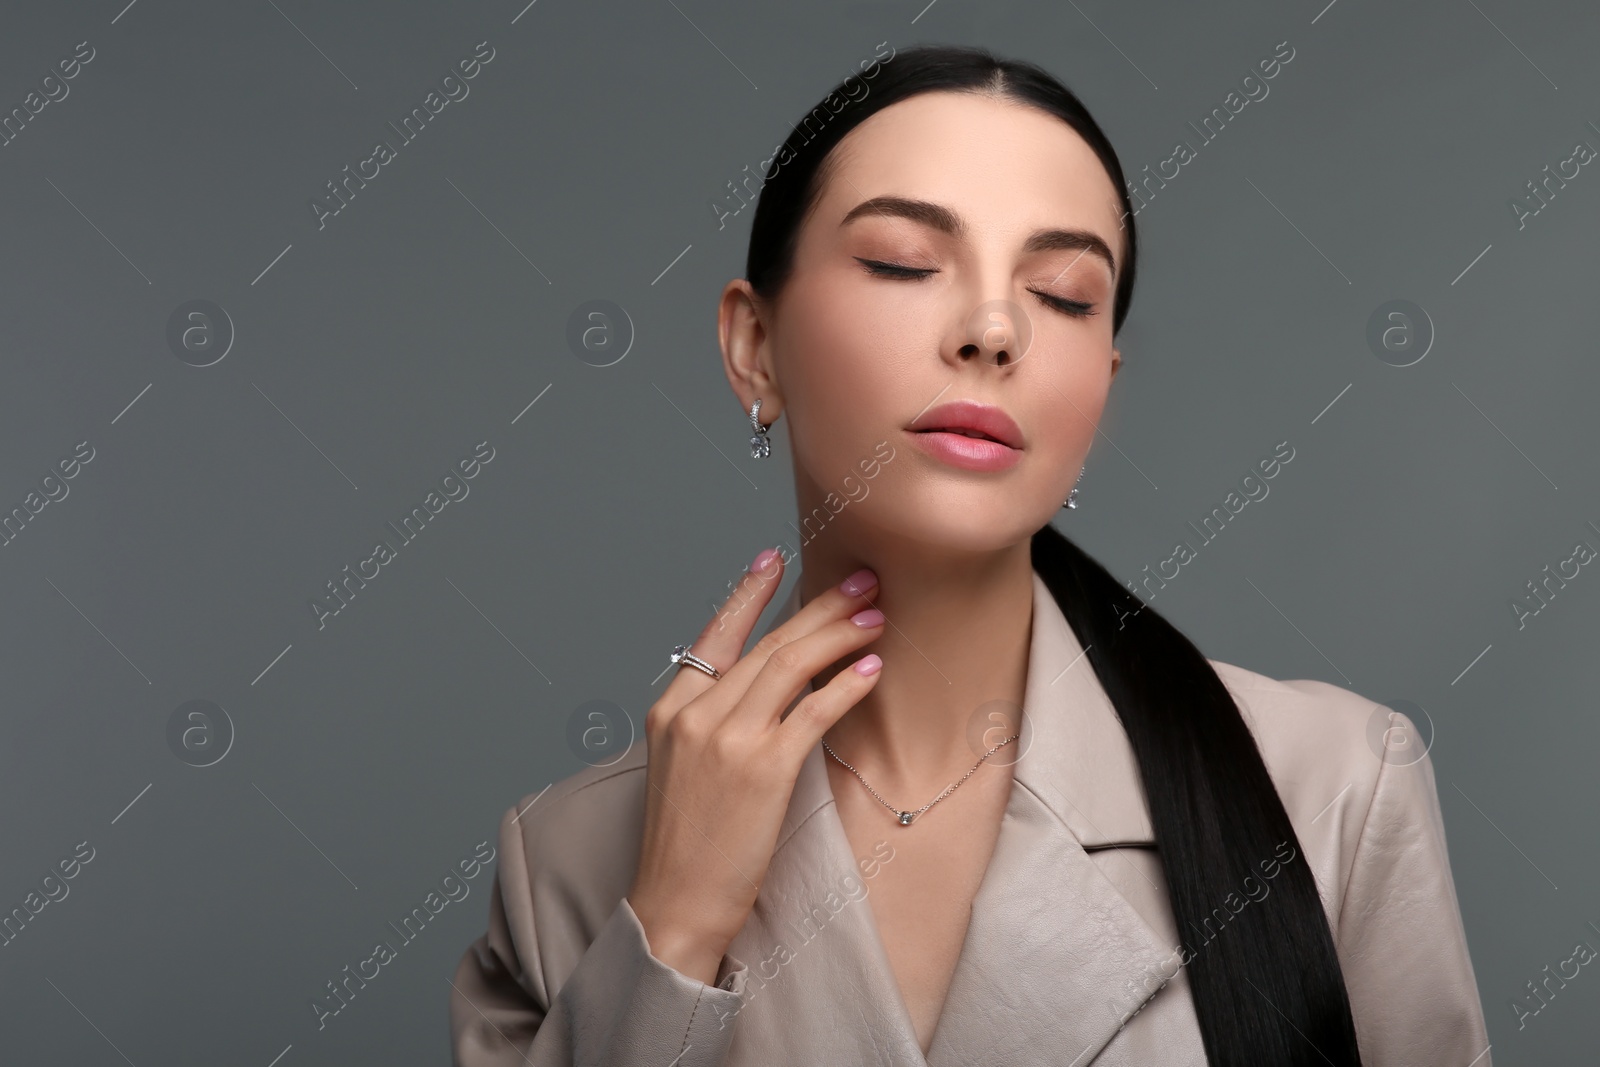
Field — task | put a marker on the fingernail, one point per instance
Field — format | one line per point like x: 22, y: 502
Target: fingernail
x: 870, y: 617
x: 859, y: 582
x: 764, y: 559
x: 868, y: 664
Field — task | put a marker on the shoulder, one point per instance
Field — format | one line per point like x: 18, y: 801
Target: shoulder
x: 591, y: 790
x: 575, y: 843
x: 567, y: 855
x: 1358, y: 782
x: 1329, y: 750
x: 1303, y: 725
x: 1323, y: 744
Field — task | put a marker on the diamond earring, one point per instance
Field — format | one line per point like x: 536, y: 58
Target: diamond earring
x: 1072, y: 497
x: 760, y: 443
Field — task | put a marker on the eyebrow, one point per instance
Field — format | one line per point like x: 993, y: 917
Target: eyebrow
x: 946, y: 221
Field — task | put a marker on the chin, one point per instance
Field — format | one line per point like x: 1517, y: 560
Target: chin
x: 966, y: 524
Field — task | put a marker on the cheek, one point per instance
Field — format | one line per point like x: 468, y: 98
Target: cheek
x: 845, y: 366
x: 841, y: 332
x: 1073, y: 398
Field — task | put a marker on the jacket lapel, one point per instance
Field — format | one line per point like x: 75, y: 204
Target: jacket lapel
x: 1055, y: 958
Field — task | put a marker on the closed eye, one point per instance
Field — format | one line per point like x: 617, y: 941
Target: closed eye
x: 894, y: 270
x: 1075, y: 308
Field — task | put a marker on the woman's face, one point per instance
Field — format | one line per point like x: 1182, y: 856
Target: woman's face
x: 1002, y: 298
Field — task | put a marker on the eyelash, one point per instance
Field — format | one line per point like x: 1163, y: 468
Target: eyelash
x: 1075, y: 308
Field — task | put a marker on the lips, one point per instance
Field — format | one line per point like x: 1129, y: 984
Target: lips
x: 970, y: 419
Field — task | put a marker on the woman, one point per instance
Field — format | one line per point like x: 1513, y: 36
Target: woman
x: 1033, y: 824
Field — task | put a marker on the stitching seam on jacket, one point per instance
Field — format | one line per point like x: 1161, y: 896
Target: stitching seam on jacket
x: 809, y: 816
x: 1355, y: 858
x: 687, y: 1029
x: 587, y: 785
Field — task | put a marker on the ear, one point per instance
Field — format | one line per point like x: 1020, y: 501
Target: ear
x: 1116, y: 362
x: 746, y: 355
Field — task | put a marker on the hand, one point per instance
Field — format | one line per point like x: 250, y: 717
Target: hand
x: 723, y: 761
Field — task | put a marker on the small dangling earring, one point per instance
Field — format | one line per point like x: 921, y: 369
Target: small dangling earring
x: 1072, y: 497
x: 760, y: 443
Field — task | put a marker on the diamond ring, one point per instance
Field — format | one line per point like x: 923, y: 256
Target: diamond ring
x: 682, y: 656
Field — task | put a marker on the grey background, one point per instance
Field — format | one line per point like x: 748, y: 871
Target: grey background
x: 373, y: 754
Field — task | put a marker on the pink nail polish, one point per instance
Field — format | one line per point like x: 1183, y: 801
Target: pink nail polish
x: 859, y: 582
x: 763, y: 559
x: 868, y: 618
x: 868, y: 664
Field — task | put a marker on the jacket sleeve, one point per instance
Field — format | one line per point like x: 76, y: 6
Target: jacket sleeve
x: 1401, y: 942
x: 620, y: 1007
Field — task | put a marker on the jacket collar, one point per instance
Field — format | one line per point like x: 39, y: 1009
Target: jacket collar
x: 1055, y: 959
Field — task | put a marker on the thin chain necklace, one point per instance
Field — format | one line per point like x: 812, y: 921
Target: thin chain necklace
x: 906, y: 816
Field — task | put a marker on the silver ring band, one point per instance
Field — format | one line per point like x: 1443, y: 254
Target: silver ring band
x: 683, y: 657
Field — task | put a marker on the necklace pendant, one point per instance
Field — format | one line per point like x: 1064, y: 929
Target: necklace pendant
x: 906, y: 817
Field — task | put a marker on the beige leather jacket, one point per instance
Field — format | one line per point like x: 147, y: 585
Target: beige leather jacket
x: 1070, y: 935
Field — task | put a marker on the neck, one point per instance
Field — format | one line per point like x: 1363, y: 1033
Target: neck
x: 955, y: 655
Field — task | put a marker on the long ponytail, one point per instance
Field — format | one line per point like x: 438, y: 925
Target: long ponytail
x: 1269, y: 992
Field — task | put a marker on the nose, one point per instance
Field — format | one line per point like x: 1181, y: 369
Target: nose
x: 998, y: 332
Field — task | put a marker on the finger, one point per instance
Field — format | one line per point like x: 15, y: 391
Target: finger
x: 723, y: 638
x: 804, y: 727
x: 788, y: 668
x: 833, y: 605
